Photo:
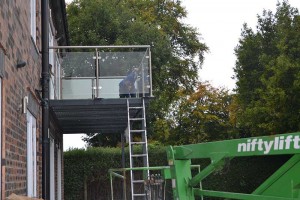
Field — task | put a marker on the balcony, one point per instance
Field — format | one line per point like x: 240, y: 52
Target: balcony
x: 90, y: 86
x: 104, y: 72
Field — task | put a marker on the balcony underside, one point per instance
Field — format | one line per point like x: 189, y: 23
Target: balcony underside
x: 93, y: 115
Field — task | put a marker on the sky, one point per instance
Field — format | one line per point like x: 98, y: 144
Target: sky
x: 220, y: 23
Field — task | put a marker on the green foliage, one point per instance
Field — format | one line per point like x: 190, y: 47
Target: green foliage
x: 102, y: 139
x: 267, y: 72
x: 199, y: 116
x: 175, y: 45
x: 243, y: 174
x: 92, y: 165
x: 177, y: 52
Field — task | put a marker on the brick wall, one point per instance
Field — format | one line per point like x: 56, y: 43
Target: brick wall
x: 16, y: 44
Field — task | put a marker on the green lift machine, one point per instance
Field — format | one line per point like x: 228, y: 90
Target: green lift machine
x: 284, y: 184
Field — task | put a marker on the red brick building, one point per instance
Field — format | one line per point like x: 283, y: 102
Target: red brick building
x: 21, y: 111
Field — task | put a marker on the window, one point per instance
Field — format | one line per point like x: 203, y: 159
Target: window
x: 31, y: 156
x: 33, y: 19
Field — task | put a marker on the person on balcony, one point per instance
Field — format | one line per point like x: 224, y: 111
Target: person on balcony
x: 127, y: 85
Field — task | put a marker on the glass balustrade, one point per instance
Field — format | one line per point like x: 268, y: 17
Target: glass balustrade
x: 104, y: 72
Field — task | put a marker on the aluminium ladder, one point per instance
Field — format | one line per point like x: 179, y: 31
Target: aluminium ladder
x: 138, y: 149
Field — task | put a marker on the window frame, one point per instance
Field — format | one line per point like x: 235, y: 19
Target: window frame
x: 52, y: 168
x: 31, y: 155
x: 33, y: 19
x: 59, y: 172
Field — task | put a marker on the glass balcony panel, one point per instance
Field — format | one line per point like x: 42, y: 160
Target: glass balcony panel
x: 79, y: 64
x: 116, y: 71
x: 109, y: 87
x: 77, y: 89
x: 119, y: 63
x: 122, y: 65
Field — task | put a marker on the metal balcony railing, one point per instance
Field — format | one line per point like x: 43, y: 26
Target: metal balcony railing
x: 88, y: 72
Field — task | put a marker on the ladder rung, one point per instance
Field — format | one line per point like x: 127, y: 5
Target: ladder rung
x: 138, y: 181
x: 138, y: 142
x: 138, y: 155
x: 136, y: 119
x: 139, y: 195
x: 136, y: 131
x: 137, y: 107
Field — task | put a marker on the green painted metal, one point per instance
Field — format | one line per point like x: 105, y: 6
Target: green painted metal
x: 164, y: 170
x: 283, y: 184
x: 180, y: 187
x: 139, y: 169
x: 113, y: 173
x: 166, y: 173
x: 231, y: 195
x: 216, y: 164
x: 255, y: 146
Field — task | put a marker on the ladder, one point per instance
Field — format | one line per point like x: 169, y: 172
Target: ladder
x: 138, y: 149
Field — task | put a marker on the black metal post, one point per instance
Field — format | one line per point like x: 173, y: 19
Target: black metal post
x: 45, y: 101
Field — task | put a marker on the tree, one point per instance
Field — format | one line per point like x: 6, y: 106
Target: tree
x: 176, y: 49
x: 267, y: 72
x: 200, y: 116
x: 177, y: 53
x: 102, y: 140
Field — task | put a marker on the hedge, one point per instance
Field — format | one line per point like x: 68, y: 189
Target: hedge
x: 91, y: 166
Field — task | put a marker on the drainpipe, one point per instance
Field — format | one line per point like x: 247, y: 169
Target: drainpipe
x: 45, y: 101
